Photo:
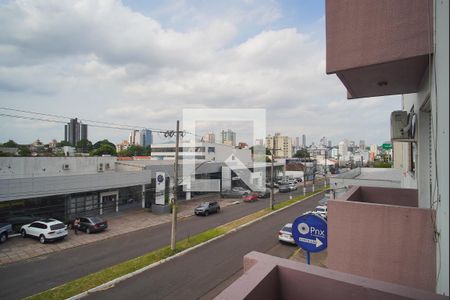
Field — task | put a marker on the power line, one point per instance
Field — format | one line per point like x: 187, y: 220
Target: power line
x: 115, y: 125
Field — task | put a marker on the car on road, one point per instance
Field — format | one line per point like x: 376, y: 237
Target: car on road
x: 292, y: 186
x: 207, y: 208
x: 323, y: 201
x: 91, y: 224
x: 5, y: 231
x: 321, y: 209
x: 45, y: 230
x: 241, y: 190
x: 250, y: 198
x: 284, y: 188
x: 265, y: 194
x: 285, y: 234
x: 319, y: 214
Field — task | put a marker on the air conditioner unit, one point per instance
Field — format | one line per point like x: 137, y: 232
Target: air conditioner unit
x: 399, y: 121
x: 100, y: 167
x: 107, y: 166
x: 65, y: 167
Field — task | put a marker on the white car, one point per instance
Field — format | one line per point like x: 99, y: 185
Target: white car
x: 321, y: 209
x: 285, y: 234
x: 292, y: 186
x: 45, y: 230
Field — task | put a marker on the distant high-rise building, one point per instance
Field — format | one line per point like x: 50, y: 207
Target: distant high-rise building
x: 323, y: 142
x: 297, y: 142
x: 343, y: 148
x: 210, y: 137
x: 145, y: 137
x: 283, y: 145
x: 329, y: 144
x: 259, y: 142
x: 134, y: 138
x: 228, y: 137
x: 362, y: 144
x: 74, y: 131
x: 304, y: 141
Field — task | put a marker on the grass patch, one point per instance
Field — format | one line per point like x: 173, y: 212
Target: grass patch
x: 95, y: 279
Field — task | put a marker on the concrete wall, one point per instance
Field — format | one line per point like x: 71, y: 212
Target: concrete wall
x: 268, y: 277
x: 22, y: 167
x: 31, y: 187
x: 384, y: 242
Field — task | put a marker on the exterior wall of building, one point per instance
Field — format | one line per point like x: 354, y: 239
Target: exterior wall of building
x: 17, y: 167
x: 283, y: 145
x: 440, y: 114
x: 378, y: 233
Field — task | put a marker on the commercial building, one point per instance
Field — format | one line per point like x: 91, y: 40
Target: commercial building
x: 303, y: 141
x: 145, y: 137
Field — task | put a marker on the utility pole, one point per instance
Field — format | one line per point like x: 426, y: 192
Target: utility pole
x: 175, y: 194
x: 272, y: 198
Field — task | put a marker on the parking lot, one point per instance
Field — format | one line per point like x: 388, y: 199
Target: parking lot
x: 17, y: 248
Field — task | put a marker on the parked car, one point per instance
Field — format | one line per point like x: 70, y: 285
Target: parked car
x: 20, y: 218
x: 5, y: 231
x: 319, y: 214
x: 241, y: 190
x: 207, y: 208
x: 265, y: 194
x: 251, y: 198
x: 321, y: 209
x: 323, y: 201
x: 292, y: 186
x: 91, y: 224
x: 292, y: 181
x: 285, y: 234
x: 45, y: 230
x: 284, y: 188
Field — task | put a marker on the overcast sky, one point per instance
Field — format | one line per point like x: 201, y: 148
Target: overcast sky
x: 142, y: 62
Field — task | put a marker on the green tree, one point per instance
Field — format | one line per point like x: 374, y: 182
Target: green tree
x: 24, y: 151
x: 302, y: 153
x: 63, y: 143
x: 102, y: 142
x: 104, y: 149
x: 10, y: 144
x: 84, y: 146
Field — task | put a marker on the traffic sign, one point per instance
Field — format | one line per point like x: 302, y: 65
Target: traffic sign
x: 310, y: 232
x: 386, y: 146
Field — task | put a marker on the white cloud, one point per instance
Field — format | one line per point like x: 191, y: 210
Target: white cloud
x: 101, y: 60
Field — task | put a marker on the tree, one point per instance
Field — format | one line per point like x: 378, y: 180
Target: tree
x: 10, y: 144
x: 102, y: 142
x: 84, y: 146
x: 24, y: 151
x: 104, y: 149
x: 63, y: 143
x: 302, y: 153
x: 135, y: 150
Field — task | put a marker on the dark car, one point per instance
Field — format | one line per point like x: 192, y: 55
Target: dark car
x: 265, y: 194
x: 207, y: 208
x: 91, y: 224
x: 19, y: 218
x: 284, y: 188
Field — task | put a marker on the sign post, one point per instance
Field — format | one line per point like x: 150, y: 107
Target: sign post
x: 310, y: 234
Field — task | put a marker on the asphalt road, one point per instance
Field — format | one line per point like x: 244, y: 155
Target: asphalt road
x: 45, y: 272
x: 206, y: 271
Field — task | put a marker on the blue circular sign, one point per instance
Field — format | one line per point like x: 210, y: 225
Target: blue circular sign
x: 310, y: 232
x: 160, y: 178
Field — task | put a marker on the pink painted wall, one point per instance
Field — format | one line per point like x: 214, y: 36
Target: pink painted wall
x: 384, y: 242
x: 274, y: 278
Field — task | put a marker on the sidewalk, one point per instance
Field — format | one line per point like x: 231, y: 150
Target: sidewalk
x: 17, y: 249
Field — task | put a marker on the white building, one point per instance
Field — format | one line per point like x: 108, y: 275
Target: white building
x: 283, y: 145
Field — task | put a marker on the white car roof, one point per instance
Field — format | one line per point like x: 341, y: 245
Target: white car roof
x: 48, y: 221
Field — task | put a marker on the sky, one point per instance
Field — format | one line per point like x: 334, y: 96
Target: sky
x: 140, y: 63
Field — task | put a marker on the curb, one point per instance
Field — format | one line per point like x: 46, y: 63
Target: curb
x: 115, y: 281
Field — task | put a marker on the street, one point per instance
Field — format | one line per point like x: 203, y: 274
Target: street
x: 48, y: 271
x: 203, y: 272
